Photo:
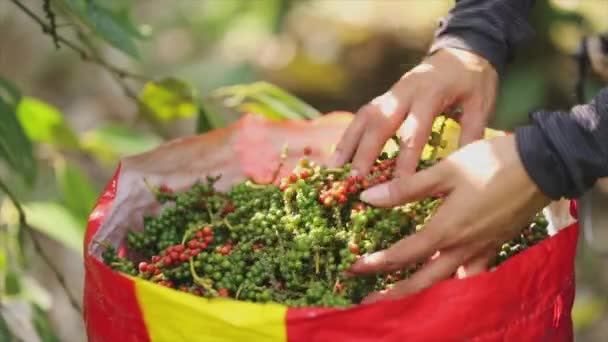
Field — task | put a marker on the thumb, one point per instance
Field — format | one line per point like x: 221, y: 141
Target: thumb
x: 405, y: 189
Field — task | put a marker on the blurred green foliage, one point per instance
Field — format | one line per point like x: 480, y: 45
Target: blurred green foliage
x: 200, y: 65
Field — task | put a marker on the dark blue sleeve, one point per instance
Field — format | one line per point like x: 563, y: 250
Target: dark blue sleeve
x: 490, y: 28
x: 566, y: 152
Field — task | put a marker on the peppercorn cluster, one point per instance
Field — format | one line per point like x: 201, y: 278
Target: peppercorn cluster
x: 288, y: 243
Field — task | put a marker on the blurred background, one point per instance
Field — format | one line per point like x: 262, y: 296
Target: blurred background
x: 148, y: 71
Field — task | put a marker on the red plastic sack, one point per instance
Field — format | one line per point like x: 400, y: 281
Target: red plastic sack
x: 527, y: 298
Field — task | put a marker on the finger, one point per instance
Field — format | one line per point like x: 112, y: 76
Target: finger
x: 348, y: 143
x: 475, y: 265
x: 385, y: 114
x: 402, y: 190
x: 473, y: 120
x: 414, y: 248
x: 414, y: 134
x: 439, y: 269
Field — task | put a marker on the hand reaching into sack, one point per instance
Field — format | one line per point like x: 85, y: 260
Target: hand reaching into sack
x: 447, y: 78
x: 484, y: 177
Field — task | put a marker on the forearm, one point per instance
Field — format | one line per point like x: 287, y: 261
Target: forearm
x: 566, y: 152
x: 490, y: 28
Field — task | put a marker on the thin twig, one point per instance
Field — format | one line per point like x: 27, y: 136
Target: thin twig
x: 119, y: 75
x: 50, y: 15
x: 38, y: 248
x: 84, y: 55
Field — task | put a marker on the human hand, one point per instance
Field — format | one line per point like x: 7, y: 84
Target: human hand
x: 489, y: 197
x: 444, y: 80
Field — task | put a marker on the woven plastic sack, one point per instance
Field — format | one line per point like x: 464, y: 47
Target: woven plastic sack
x: 527, y: 298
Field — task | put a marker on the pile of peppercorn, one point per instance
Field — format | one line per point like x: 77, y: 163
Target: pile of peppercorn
x: 288, y: 243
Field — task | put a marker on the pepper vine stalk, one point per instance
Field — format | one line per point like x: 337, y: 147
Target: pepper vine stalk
x: 38, y: 247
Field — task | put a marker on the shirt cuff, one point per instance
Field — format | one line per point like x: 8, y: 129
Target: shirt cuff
x: 495, y: 53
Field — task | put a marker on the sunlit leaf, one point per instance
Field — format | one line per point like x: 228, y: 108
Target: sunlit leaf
x: 169, y: 99
x: 57, y: 222
x: 12, y: 94
x: 76, y: 189
x: 44, y: 123
x: 266, y: 99
x: 111, y: 142
x: 109, y: 25
x: 43, y: 326
x: 15, y: 148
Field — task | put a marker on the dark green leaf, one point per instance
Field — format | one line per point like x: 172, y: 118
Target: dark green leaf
x: 111, y: 142
x: 203, y: 124
x: 13, y: 95
x: 109, y: 25
x: 44, y: 123
x: 57, y: 222
x: 5, y: 332
x: 76, y: 189
x: 15, y: 147
x: 169, y: 99
x: 12, y: 285
x: 522, y: 91
x: 43, y: 325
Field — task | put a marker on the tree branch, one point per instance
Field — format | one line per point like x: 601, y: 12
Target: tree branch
x: 38, y: 248
x: 118, y: 74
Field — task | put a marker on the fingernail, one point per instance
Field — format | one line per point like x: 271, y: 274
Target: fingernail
x: 376, y: 194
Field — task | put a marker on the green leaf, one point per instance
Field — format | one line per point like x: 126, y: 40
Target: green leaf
x: 76, y: 189
x: 11, y: 91
x: 268, y: 100
x: 15, y: 147
x: 203, y: 123
x: 169, y: 99
x: 12, y: 285
x: 109, y: 25
x: 44, y: 123
x: 57, y: 222
x: 111, y: 142
x: 43, y: 325
x: 5, y: 332
x: 522, y: 91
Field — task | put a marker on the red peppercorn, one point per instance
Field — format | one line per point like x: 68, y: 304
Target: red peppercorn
x: 374, y: 168
x: 304, y: 174
x: 353, y: 189
x: 184, y: 257
x: 354, y: 248
x: 283, y: 186
x: 174, y: 255
x: 208, y: 239
x: 339, y: 287
x: 192, y: 244
x: 307, y: 151
x: 342, y: 199
x: 293, y: 178
x: 143, y: 267
x: 202, y: 245
x: 194, y: 252
x: 155, y: 259
x: 164, y: 188
x: 179, y: 248
x: 156, y: 271
x: 359, y: 178
x: 382, y: 179
x: 167, y: 260
x: 365, y: 184
x: 223, y: 292
x: 207, y: 231
x: 229, y: 208
x: 225, y: 250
